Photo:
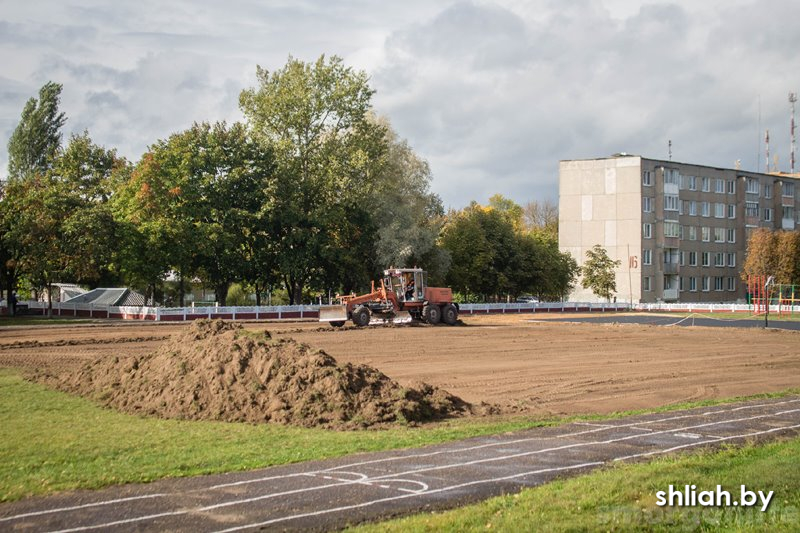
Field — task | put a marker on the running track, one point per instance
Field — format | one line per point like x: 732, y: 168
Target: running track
x: 333, y: 493
x: 666, y: 320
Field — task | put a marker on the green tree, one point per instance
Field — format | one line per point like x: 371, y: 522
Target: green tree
x: 35, y: 142
x: 411, y: 217
x: 773, y: 253
x: 598, y: 272
x: 315, y: 116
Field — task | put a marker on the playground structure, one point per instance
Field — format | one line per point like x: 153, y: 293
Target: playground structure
x: 781, y: 299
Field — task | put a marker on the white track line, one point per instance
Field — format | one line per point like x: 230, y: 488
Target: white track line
x: 77, y: 507
x: 478, y: 482
x: 419, y: 455
x: 387, y: 477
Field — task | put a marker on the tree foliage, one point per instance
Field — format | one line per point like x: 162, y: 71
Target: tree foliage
x: 598, y: 272
x: 773, y: 253
x: 492, y: 256
x: 315, y: 116
x: 34, y: 145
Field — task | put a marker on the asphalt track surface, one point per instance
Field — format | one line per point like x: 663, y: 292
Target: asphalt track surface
x: 691, y: 320
x: 331, y: 494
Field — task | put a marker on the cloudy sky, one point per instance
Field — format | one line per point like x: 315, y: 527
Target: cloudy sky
x: 492, y: 93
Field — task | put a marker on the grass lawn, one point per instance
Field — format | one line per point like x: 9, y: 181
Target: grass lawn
x: 623, y: 498
x: 51, y: 441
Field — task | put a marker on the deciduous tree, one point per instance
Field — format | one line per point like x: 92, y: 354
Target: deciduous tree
x: 598, y: 272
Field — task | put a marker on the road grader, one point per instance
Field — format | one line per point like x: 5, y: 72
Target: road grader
x: 401, y: 296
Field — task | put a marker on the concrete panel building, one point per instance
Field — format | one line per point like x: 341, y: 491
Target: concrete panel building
x: 680, y: 230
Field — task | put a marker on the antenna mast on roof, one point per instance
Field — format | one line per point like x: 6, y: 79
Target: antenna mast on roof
x: 670, y: 149
x: 792, y: 100
x: 766, y: 141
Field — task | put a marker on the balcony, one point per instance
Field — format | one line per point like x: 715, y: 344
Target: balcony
x: 670, y: 268
x: 670, y: 295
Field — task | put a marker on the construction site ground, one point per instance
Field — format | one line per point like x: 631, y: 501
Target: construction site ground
x: 534, y: 364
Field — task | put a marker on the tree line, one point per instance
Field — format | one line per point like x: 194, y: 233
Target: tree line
x: 313, y: 193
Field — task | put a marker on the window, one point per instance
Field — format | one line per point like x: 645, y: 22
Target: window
x: 706, y: 258
x: 719, y: 234
x: 672, y: 176
x: 719, y: 259
x: 705, y: 209
x: 647, y: 177
x: 647, y: 256
x: 683, y: 258
x: 731, y: 234
x: 647, y: 283
x: 767, y: 214
x: 692, y: 233
x: 731, y: 210
x: 682, y: 232
x: 767, y: 190
x: 647, y: 230
x: 683, y: 207
x: 731, y: 186
x: 671, y: 202
x: 751, y: 209
x: 717, y: 283
x: 787, y: 189
x: 706, y: 233
x: 719, y: 210
x: 705, y: 283
x: 647, y: 204
x: 671, y: 229
x: 692, y: 183
x: 731, y: 284
x: 693, y: 259
x: 788, y: 212
x: 719, y: 186
x: 731, y: 259
x: 751, y: 186
x: 693, y: 284
x: 681, y: 284
x: 693, y: 208
x: 705, y: 184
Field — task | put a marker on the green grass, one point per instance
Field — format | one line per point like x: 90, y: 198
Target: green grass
x: 623, y: 498
x: 51, y: 441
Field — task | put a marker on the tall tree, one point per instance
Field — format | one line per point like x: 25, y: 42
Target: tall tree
x: 411, y: 217
x: 315, y: 117
x: 773, y: 253
x: 541, y: 217
x: 598, y: 272
x: 34, y: 145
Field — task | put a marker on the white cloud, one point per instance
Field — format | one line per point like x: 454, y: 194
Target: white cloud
x: 493, y: 94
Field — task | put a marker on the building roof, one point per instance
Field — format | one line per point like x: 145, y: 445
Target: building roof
x: 114, y: 296
x: 663, y: 162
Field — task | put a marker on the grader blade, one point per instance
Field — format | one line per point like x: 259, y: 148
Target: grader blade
x: 401, y: 317
x: 333, y: 313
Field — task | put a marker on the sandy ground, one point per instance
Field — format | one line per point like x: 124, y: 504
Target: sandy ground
x: 511, y: 360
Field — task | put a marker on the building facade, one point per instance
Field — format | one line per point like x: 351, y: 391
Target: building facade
x: 680, y: 230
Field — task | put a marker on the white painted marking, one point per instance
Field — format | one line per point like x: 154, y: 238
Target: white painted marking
x: 453, y: 487
x: 76, y: 507
x: 688, y: 435
x: 367, y: 480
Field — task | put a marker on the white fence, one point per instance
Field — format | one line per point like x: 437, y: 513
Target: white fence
x: 281, y: 312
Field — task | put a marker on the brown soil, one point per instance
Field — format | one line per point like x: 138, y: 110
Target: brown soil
x: 216, y: 370
x: 533, y: 367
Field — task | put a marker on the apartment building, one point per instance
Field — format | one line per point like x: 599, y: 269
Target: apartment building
x: 680, y: 230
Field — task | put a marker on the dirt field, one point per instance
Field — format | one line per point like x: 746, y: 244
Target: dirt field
x: 536, y: 367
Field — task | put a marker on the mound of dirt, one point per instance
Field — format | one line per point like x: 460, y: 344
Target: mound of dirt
x: 218, y: 371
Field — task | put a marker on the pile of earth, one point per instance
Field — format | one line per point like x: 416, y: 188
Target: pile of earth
x: 216, y: 370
